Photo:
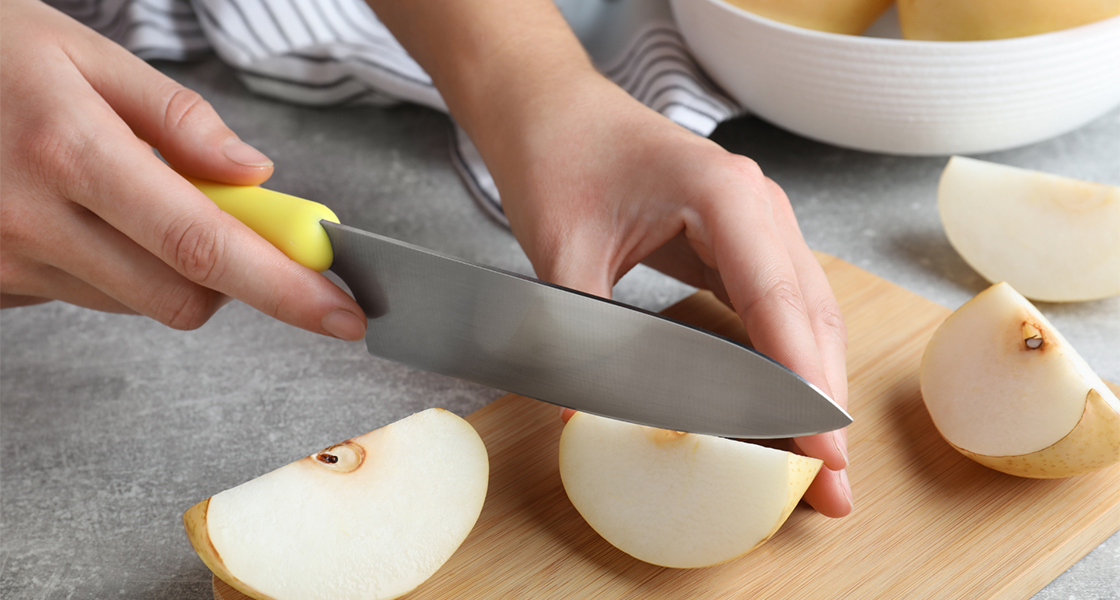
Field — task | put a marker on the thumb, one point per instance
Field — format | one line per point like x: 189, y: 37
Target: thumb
x: 575, y: 266
x: 176, y: 121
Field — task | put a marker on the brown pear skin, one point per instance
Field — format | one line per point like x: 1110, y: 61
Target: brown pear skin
x: 194, y: 520
x: 803, y: 472
x: 1092, y: 445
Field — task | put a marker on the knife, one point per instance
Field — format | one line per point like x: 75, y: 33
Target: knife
x: 445, y: 315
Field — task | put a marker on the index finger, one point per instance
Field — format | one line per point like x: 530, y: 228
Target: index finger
x: 129, y: 188
x: 824, y: 318
x: 140, y: 196
x: 762, y: 282
x: 210, y: 247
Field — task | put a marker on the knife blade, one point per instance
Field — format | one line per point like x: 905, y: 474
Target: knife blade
x: 449, y: 316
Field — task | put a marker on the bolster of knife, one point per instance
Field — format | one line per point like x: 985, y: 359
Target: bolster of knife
x: 288, y: 222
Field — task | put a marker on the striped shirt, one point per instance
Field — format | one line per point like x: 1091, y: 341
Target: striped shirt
x: 337, y: 53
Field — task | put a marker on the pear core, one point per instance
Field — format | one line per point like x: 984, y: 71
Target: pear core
x: 678, y: 499
x: 1006, y: 389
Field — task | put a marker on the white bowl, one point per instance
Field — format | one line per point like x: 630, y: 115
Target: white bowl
x: 907, y: 97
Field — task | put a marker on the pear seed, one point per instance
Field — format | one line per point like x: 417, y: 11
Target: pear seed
x: 341, y: 458
x: 1032, y: 337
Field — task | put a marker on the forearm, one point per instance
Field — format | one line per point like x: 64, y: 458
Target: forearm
x: 499, y: 64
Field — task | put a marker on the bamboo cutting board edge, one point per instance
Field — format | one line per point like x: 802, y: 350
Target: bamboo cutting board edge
x: 928, y: 522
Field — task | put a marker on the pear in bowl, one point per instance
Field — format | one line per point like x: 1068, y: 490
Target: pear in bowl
x: 970, y: 20
x: 675, y: 499
x: 370, y: 518
x: 1005, y: 389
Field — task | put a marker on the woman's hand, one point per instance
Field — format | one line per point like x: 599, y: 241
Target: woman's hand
x: 91, y: 216
x: 593, y: 183
x: 591, y: 195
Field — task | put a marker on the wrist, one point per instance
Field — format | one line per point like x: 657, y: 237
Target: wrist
x: 501, y: 66
x: 519, y: 89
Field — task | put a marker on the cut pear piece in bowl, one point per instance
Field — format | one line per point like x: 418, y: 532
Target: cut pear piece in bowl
x: 1054, y: 239
x: 1007, y: 390
x: 675, y: 499
x: 370, y: 518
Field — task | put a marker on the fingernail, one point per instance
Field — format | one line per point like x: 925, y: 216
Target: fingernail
x: 244, y: 154
x: 344, y: 325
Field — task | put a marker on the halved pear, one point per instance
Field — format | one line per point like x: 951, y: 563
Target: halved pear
x: 678, y: 499
x: 370, y: 518
x: 1054, y: 239
x: 1008, y: 391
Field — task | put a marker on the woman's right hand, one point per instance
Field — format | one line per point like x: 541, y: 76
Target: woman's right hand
x: 90, y: 214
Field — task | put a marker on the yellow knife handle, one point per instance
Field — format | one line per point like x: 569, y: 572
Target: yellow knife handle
x: 288, y: 222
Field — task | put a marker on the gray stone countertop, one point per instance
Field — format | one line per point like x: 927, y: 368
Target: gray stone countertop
x: 112, y: 425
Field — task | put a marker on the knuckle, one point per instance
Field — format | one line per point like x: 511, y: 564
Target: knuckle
x: 284, y: 305
x: 828, y: 320
x: 733, y: 176
x: 745, y: 174
x: 186, y: 309
x: 55, y: 153
x: 738, y: 167
x: 184, y: 107
x: 782, y: 292
x: 745, y: 167
x: 195, y: 249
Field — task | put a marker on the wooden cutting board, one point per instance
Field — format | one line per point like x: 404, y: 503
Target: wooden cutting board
x: 928, y: 523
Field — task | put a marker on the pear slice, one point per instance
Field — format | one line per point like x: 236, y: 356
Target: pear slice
x: 678, y: 499
x: 370, y: 518
x: 1007, y: 390
x: 1054, y: 239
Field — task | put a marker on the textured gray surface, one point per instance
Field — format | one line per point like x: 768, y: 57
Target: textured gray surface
x: 112, y: 426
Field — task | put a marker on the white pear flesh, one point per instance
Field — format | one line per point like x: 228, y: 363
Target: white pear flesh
x: 1006, y: 389
x: 370, y: 518
x: 677, y: 499
x: 1052, y: 238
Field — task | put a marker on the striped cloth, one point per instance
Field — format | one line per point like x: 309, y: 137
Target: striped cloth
x: 337, y: 53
